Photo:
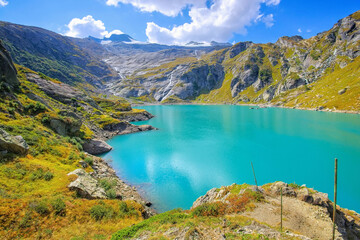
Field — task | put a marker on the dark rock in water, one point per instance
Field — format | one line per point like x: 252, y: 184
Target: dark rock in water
x: 7, y: 69
x: 12, y: 144
x: 95, y: 147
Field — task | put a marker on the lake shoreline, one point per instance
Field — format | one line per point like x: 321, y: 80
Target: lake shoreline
x: 249, y: 105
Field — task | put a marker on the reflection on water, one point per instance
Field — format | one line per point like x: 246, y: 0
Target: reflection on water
x: 201, y: 147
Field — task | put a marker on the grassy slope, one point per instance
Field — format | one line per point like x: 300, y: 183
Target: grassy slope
x: 325, y: 92
x: 33, y: 187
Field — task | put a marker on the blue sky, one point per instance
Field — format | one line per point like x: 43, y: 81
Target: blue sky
x: 154, y: 20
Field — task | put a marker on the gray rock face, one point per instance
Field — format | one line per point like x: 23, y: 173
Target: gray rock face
x: 59, y: 91
x: 135, y: 117
x: 245, y: 79
x: 86, y: 186
x: 65, y: 128
x: 12, y: 144
x: 95, y: 147
x: 7, y: 69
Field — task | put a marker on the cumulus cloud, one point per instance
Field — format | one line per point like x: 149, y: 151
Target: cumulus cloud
x: 116, y: 32
x: 215, y: 23
x: 3, y: 3
x: 88, y: 26
x: 166, y: 7
x: 299, y: 30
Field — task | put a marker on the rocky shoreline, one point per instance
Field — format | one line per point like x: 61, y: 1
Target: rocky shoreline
x: 103, y: 183
x: 93, y: 185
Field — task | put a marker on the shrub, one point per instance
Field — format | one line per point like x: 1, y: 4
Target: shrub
x: 38, y: 174
x: 26, y: 220
x: 125, y: 210
x: 106, y: 184
x: 59, y: 207
x: 111, y: 194
x: 101, y: 211
x: 89, y: 161
x: 40, y: 207
x: 294, y: 185
x: 48, y: 176
x: 34, y: 108
x: 210, y: 209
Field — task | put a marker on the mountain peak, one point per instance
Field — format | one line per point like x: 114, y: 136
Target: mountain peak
x: 119, y: 38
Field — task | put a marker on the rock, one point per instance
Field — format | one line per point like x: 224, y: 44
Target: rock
x: 12, y: 144
x: 86, y: 186
x: 342, y: 91
x: 212, y: 195
x: 83, y: 164
x: 135, y: 116
x: 95, y: 147
x: 321, y: 199
x: 59, y: 91
x: 287, y: 191
x: 7, y: 69
x: 65, y: 128
x: 124, y: 127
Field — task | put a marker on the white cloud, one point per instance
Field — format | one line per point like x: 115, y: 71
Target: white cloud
x: 166, y: 7
x: 3, y: 3
x: 88, y: 26
x: 268, y: 20
x: 217, y: 23
x: 299, y: 30
x: 308, y: 30
x: 116, y: 32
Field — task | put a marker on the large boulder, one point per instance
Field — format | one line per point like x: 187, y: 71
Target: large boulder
x: 7, y: 69
x: 65, y: 126
x: 95, y: 147
x: 86, y: 186
x: 12, y: 144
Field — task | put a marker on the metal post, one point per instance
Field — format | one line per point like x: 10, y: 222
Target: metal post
x: 281, y: 211
x: 254, y: 174
x: 335, y: 197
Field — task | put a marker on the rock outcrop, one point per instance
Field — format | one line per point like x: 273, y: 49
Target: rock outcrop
x: 96, y: 146
x: 7, y: 69
x: 89, y: 185
x: 125, y: 127
x: 12, y: 144
x: 86, y: 186
x: 299, y: 203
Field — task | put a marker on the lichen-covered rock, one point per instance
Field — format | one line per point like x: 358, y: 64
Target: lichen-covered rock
x: 96, y: 146
x: 66, y: 126
x: 12, y: 144
x: 86, y: 186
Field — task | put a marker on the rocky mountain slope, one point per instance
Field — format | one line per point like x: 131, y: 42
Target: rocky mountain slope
x: 292, y: 68
x: 247, y: 212
x: 51, y: 186
x: 90, y: 62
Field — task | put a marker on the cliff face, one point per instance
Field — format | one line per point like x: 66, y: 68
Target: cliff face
x: 253, y: 73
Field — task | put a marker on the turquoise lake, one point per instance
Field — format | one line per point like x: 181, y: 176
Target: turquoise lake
x: 201, y: 147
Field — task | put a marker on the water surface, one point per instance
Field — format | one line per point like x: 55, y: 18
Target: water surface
x: 201, y: 147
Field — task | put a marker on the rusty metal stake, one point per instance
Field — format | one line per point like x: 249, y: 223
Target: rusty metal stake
x: 335, y: 197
